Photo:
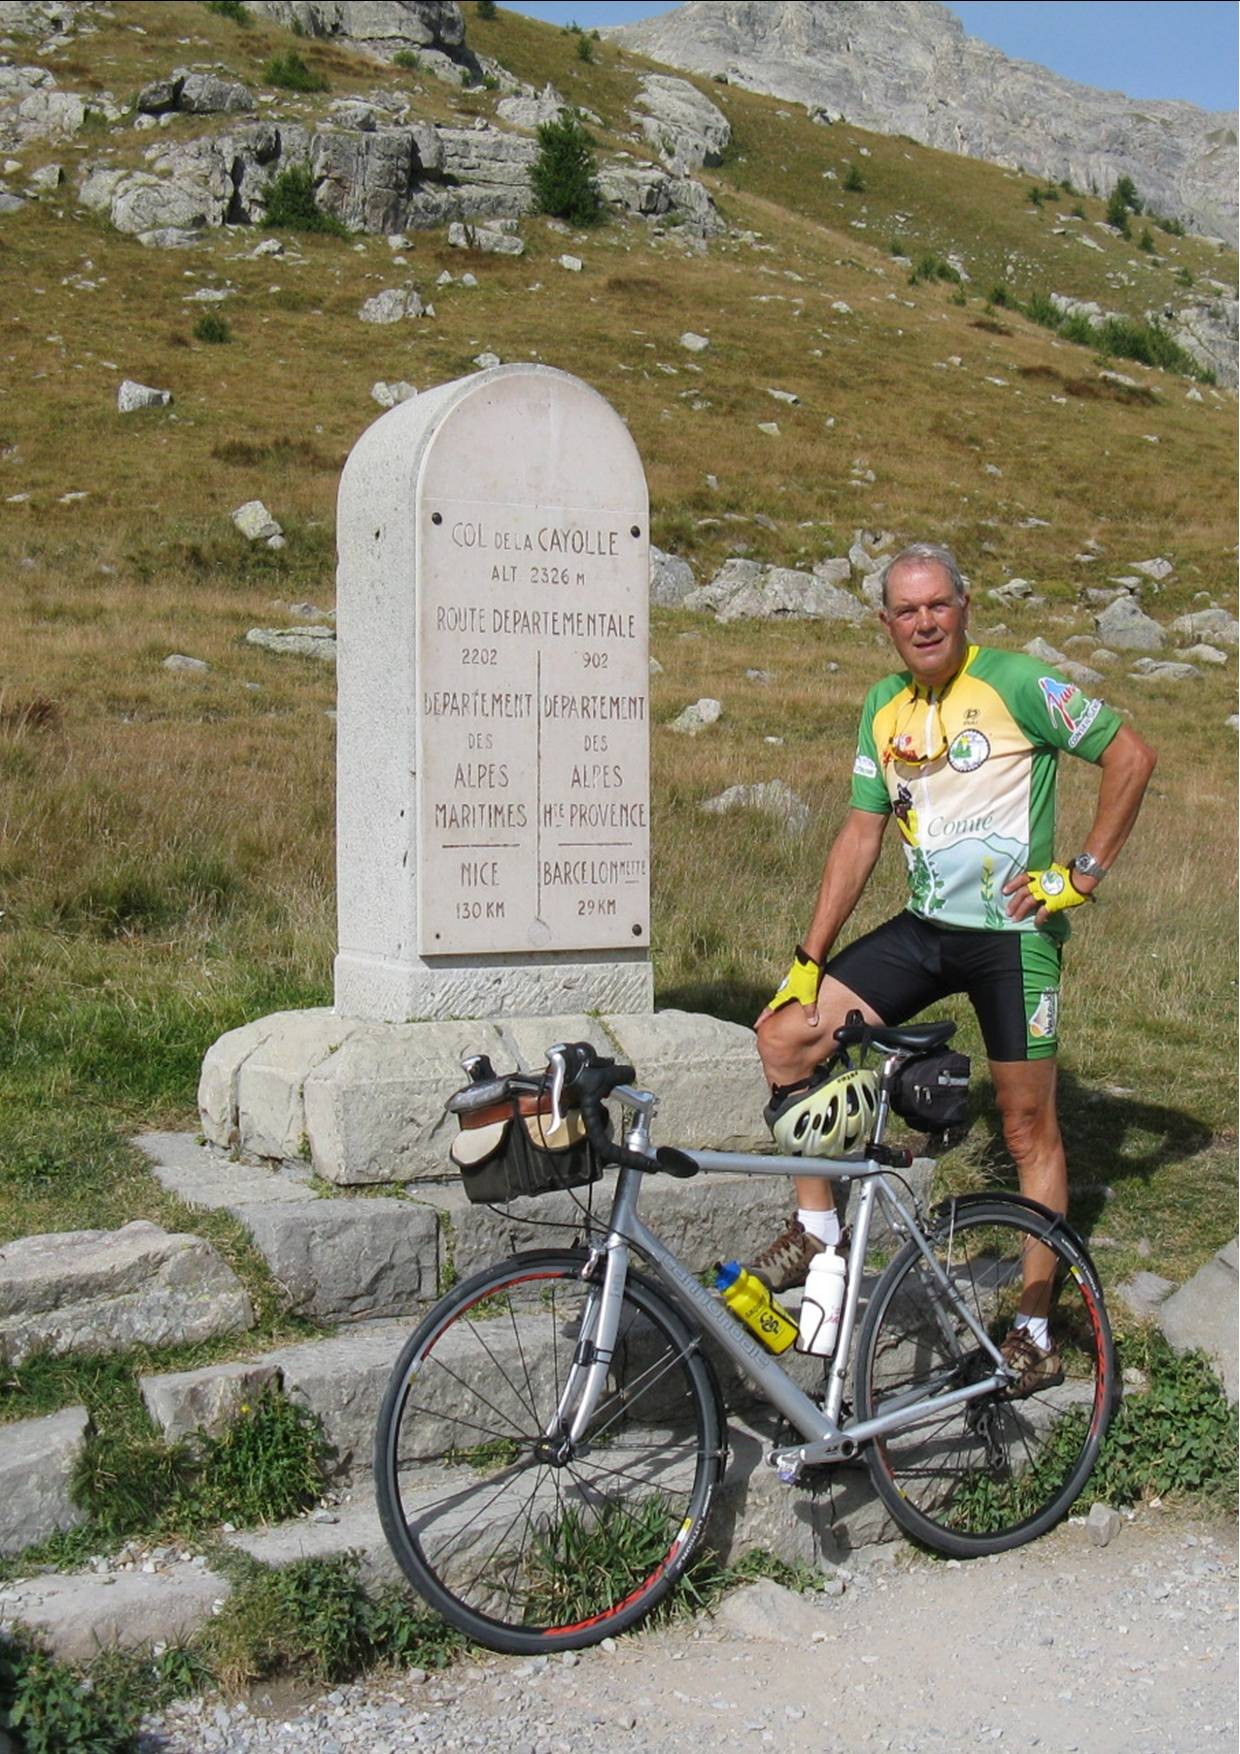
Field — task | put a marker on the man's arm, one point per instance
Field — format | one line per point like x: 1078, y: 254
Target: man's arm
x: 853, y: 855
x: 1127, y: 763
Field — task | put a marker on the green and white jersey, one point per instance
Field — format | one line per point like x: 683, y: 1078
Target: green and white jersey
x: 968, y: 771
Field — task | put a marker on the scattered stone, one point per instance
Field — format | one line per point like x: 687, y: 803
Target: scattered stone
x: 671, y: 579
x: 768, y: 1612
x: 492, y: 240
x: 1081, y: 674
x: 178, y: 661
x: 1044, y: 652
x: 10, y: 203
x: 37, y: 1457
x: 1164, y: 670
x: 131, y: 396
x: 773, y: 797
x: 697, y: 717
x: 105, y: 1290
x: 745, y: 590
x: 484, y: 361
x: 1157, y: 569
x: 1103, y: 1524
x: 1212, y: 623
x: 301, y: 642
x: 388, y: 395
x: 694, y: 343
x: 785, y: 396
x: 1125, y: 625
x: 1203, y: 654
x: 1144, y: 1294
x: 574, y: 264
x: 255, y: 522
x: 47, y: 179
x: 393, y: 305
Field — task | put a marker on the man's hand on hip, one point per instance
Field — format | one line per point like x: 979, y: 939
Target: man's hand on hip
x: 799, y: 985
x: 1043, y: 893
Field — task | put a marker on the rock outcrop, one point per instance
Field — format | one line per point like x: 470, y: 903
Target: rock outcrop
x: 907, y: 67
x: 433, y: 30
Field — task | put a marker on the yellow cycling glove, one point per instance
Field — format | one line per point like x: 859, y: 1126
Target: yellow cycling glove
x: 1055, y: 889
x: 800, y: 983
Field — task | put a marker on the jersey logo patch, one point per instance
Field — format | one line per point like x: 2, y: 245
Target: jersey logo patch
x: 865, y: 767
x: 1044, y: 1024
x: 968, y: 751
x: 1061, y: 698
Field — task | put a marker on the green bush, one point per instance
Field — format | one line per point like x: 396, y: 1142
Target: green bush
x: 213, y: 329
x: 854, y: 182
x: 564, y: 177
x: 1146, y: 240
x: 291, y: 73
x: 52, y: 1710
x: 1126, y: 190
x: 930, y: 266
x: 1117, y: 214
x: 408, y: 60
x: 291, y: 205
x: 229, y: 9
x: 585, y: 48
x: 999, y: 295
x: 898, y: 246
x: 485, y: 9
x: 1173, y: 227
x: 1175, y: 1439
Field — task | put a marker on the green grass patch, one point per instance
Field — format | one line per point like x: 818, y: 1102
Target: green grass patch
x: 290, y: 72
x: 214, y: 329
x: 291, y: 206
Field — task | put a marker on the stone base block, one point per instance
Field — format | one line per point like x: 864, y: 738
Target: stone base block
x: 80, y: 1614
x: 354, y: 1528
x: 513, y: 986
x: 342, y: 1381
x: 36, y: 1463
x: 365, y: 1101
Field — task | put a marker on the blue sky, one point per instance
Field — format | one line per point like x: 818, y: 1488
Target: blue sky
x: 1147, y: 48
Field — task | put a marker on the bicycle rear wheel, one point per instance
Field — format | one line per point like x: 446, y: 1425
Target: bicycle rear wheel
x: 524, y: 1541
x: 989, y: 1474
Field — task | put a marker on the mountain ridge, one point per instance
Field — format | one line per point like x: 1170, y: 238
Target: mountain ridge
x: 909, y: 67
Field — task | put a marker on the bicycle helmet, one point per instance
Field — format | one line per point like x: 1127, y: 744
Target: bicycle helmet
x: 832, y: 1118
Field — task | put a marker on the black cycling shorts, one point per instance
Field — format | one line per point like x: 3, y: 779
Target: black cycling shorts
x: 1011, y: 979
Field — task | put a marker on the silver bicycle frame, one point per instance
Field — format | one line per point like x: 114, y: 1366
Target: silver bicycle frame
x: 827, y: 1439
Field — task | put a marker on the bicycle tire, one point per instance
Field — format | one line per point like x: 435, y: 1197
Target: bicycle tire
x: 523, y: 1552
x: 983, y: 1477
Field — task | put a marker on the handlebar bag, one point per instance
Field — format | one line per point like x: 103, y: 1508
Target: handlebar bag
x: 507, y: 1151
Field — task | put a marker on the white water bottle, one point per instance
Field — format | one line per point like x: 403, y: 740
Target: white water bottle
x: 821, y: 1304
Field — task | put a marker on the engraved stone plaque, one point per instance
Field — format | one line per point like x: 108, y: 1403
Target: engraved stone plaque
x: 493, y: 726
x: 533, y: 755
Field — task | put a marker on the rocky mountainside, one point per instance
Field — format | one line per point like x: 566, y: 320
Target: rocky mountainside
x: 907, y: 67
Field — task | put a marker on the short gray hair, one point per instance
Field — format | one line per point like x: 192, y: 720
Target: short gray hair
x: 922, y: 552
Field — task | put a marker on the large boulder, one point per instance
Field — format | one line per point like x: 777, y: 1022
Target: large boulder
x: 105, y: 1290
x: 382, y: 28
x: 1125, y: 627
x: 197, y: 94
x: 745, y: 590
x: 685, y: 128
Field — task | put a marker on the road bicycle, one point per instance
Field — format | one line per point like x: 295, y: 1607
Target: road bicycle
x: 553, y: 1435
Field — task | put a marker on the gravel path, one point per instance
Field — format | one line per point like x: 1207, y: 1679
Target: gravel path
x: 1125, y: 1649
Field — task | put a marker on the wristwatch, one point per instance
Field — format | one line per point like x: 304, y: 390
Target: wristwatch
x: 1088, y: 866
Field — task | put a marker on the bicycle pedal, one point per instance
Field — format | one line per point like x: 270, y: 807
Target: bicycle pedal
x: 787, y: 1466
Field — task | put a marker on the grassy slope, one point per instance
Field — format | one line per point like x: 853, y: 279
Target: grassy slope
x: 166, y: 859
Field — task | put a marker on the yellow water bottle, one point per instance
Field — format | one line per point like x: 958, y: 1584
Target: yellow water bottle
x: 750, y: 1302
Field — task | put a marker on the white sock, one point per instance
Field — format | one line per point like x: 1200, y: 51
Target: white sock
x: 1039, y: 1330
x: 825, y: 1226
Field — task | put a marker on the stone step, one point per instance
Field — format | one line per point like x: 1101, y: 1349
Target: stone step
x: 104, y: 1290
x: 364, y: 1258
x: 36, y: 1464
x: 80, y: 1613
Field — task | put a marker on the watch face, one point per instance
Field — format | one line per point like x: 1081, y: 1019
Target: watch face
x: 1052, y: 883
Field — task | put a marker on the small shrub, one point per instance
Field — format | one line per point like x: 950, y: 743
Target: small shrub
x: 1078, y: 212
x: 407, y: 59
x: 930, y: 266
x: 1184, y: 276
x: 999, y: 295
x: 854, y: 182
x: 564, y: 177
x: 229, y: 9
x: 1117, y: 214
x: 291, y: 206
x: 898, y: 246
x: 52, y: 1710
x: 1126, y: 189
x: 1035, y: 196
x: 1178, y: 1437
x: 269, y: 1465
x: 485, y: 9
x: 585, y: 48
x: 1173, y: 227
x: 291, y: 73
x: 1146, y: 240
x: 213, y: 329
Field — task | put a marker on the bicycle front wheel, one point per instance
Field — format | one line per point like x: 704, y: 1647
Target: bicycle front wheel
x: 988, y: 1474
x: 523, y: 1539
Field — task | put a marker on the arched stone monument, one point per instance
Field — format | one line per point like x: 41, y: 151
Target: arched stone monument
x: 493, y: 815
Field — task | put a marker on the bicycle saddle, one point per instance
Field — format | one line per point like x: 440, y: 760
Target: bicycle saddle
x: 905, y: 1038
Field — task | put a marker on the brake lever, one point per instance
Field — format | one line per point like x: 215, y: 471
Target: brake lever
x: 559, y: 1073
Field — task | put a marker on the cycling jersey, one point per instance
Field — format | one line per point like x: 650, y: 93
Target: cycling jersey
x: 968, y: 771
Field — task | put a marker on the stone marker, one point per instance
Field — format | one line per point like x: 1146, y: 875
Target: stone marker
x: 493, y: 753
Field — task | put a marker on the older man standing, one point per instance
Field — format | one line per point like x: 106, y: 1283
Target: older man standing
x: 961, y: 747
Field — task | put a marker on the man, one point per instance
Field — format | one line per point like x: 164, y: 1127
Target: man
x: 961, y: 748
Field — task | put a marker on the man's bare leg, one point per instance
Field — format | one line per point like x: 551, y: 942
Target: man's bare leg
x: 791, y: 1046
x: 1025, y: 1091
